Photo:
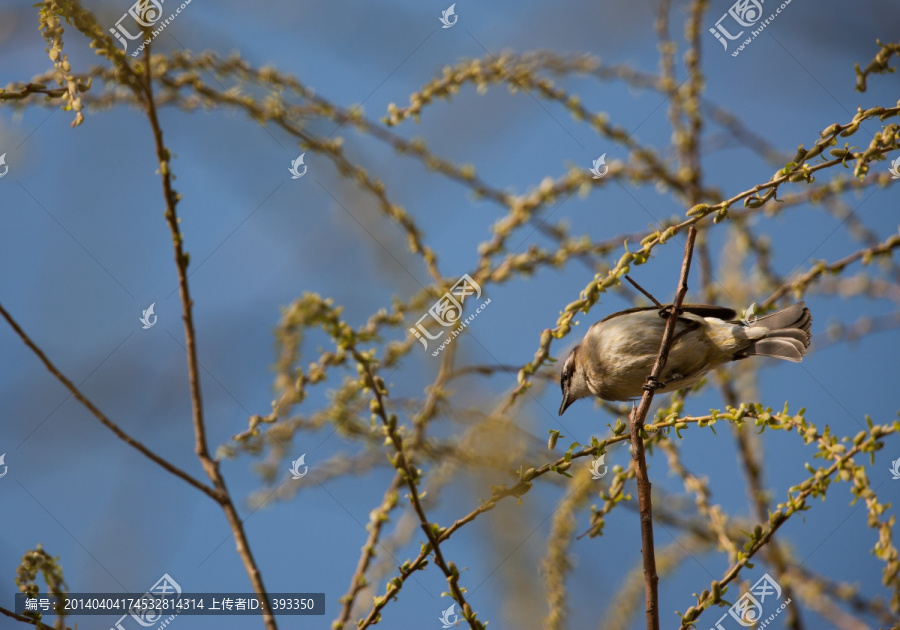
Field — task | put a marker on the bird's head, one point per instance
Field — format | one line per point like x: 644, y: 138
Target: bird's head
x: 572, y: 380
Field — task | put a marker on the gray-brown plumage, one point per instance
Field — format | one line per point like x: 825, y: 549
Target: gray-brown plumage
x: 617, y: 353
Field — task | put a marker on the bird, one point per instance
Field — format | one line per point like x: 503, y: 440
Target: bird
x: 617, y: 354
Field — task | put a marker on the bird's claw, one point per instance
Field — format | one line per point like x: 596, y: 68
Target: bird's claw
x: 652, y: 384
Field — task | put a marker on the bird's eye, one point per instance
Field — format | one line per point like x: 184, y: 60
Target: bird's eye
x: 566, y: 376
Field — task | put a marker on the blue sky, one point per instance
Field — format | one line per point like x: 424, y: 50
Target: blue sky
x: 84, y: 249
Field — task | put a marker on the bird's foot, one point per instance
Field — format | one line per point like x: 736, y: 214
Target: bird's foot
x: 665, y: 311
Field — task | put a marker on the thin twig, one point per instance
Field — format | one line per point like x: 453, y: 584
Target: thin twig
x: 752, y: 463
x: 210, y: 465
x: 109, y: 424
x: 557, y: 564
x: 651, y: 579
x: 644, y: 291
x: 525, y: 483
x: 844, y: 592
x: 379, y: 515
x: 763, y: 537
x: 821, y: 268
x: 411, y: 475
x: 24, y: 619
x: 376, y: 523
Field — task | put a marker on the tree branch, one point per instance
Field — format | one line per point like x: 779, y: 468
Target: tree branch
x: 407, y: 469
x: 24, y: 619
x: 762, y: 535
x: 376, y: 523
x: 638, y: 416
x: 109, y: 424
x: 210, y: 465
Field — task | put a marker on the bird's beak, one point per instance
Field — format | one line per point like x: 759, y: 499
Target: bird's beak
x: 565, y: 403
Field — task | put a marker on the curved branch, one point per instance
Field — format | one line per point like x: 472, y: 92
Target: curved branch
x: 109, y: 424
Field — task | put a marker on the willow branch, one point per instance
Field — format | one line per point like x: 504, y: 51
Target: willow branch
x: 407, y: 469
x: 800, y: 283
x: 638, y: 416
x: 210, y: 465
x: 109, y: 424
x: 751, y: 460
x: 762, y: 535
x: 376, y: 524
x: 24, y: 619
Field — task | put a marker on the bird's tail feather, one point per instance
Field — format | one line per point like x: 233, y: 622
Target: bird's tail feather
x: 788, y: 334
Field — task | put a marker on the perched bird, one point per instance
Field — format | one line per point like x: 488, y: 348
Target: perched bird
x: 617, y: 354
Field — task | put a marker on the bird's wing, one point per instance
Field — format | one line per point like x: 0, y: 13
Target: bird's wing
x: 710, y: 310
x: 703, y: 310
